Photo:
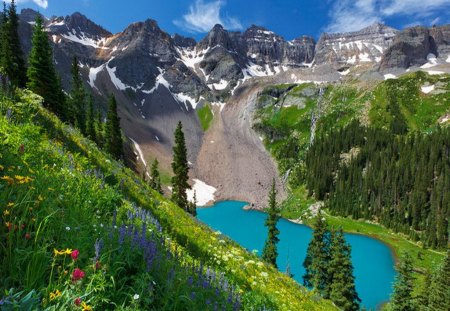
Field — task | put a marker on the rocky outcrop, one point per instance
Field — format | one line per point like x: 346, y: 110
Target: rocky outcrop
x: 265, y: 47
x: 414, y: 46
x: 364, y: 46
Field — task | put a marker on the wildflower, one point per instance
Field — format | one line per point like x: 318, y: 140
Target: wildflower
x: 77, y: 301
x: 8, y: 179
x: 27, y: 236
x: 10, y: 204
x: 67, y: 228
x: 40, y: 198
x: 55, y: 294
x: 136, y: 296
x: 68, y: 251
x: 6, y: 213
x: 77, y: 274
x: 75, y: 254
x: 98, y: 265
x: 2, y: 167
x: 85, y: 307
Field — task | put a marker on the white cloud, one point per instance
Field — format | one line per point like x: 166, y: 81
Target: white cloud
x: 41, y: 3
x: 202, y: 16
x: 348, y: 15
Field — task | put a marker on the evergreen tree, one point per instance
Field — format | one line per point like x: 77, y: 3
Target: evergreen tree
x: 401, y: 299
x: 317, y: 258
x: 99, y: 130
x: 78, y: 98
x: 90, y: 119
x: 193, y: 205
x: 113, y: 134
x: 5, y: 52
x: 16, y: 69
x: 440, y: 286
x: 423, y: 299
x: 342, y: 290
x: 270, y: 252
x: 181, y: 170
x: 155, y: 179
x: 42, y: 78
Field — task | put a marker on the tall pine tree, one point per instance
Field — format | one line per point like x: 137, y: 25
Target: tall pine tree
x: 90, y: 119
x: 16, y: 67
x: 401, y: 299
x: 42, y: 78
x: 181, y: 171
x: 440, y: 286
x: 113, y: 134
x: 155, y: 179
x: 317, y: 259
x: 270, y: 252
x: 77, y: 99
x: 342, y: 290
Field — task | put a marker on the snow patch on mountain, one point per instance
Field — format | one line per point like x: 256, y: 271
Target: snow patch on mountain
x: 183, y: 98
x: 93, y: 72
x: 219, y: 86
x: 431, y: 61
x: 427, y: 88
x: 160, y: 80
x: 204, y: 193
x: 389, y: 76
x: 85, y: 40
x: 139, y: 150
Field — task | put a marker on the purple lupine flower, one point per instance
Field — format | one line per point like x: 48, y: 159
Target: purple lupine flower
x: 122, y: 233
x: 208, y: 302
x: 190, y: 280
x: 98, y: 245
x: 205, y: 283
x: 192, y: 295
x: 8, y: 113
x: 216, y: 306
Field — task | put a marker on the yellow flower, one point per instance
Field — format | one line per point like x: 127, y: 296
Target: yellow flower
x: 55, y: 295
x: 10, y: 204
x: 40, y: 198
x: 2, y: 167
x: 68, y: 251
x: 8, y: 179
x: 51, y: 189
x: 61, y: 252
x: 6, y: 212
x: 85, y: 307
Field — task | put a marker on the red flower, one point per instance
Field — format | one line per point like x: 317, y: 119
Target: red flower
x: 27, y: 236
x: 77, y: 301
x: 77, y: 274
x: 97, y: 265
x: 75, y: 254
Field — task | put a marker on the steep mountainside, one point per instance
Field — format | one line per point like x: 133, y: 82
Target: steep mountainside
x: 159, y: 79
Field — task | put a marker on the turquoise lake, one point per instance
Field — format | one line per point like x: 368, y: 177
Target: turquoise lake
x: 373, y: 261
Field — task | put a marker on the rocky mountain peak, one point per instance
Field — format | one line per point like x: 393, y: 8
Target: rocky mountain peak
x: 28, y: 15
x: 217, y: 36
x: 183, y: 42
x: 77, y: 24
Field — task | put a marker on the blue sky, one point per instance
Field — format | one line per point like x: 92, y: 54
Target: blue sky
x: 289, y: 18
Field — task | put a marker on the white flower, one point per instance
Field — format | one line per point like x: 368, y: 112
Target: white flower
x: 101, y: 225
x: 264, y: 274
x: 68, y: 228
x: 136, y: 297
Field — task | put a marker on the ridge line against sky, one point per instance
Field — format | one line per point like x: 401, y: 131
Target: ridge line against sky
x: 288, y: 18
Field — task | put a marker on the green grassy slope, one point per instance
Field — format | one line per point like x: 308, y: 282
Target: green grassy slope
x: 58, y: 191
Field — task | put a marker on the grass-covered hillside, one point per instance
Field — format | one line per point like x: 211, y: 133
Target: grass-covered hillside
x: 331, y: 140
x: 79, y: 231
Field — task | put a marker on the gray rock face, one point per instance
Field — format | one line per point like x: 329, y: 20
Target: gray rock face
x: 265, y: 47
x: 364, y: 46
x: 413, y: 45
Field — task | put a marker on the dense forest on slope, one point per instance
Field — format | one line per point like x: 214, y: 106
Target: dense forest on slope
x: 375, y: 152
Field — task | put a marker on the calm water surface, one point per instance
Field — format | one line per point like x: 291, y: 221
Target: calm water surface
x: 373, y: 261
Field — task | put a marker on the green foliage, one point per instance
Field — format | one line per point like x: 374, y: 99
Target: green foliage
x: 76, y: 112
x: 90, y: 120
x: 439, y: 291
x: 316, y: 263
x: 11, y: 56
x: 270, y: 252
x: 42, y: 78
x: 402, y: 299
x: 155, y: 179
x: 113, y: 134
x: 180, y: 170
x: 342, y: 290
x: 205, y: 116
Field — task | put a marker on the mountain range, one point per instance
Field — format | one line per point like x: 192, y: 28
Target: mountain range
x: 160, y: 79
